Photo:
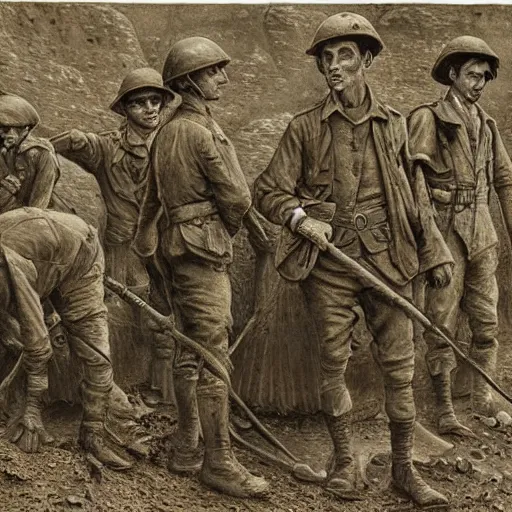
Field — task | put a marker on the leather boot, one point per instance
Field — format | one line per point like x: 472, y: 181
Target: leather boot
x: 341, y: 475
x: 447, y: 422
x: 221, y: 470
x: 185, y: 455
x: 93, y: 435
x: 486, y: 357
x: 404, y: 475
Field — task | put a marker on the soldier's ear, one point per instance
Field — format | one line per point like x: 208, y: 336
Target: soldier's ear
x: 367, y: 59
x: 452, y: 74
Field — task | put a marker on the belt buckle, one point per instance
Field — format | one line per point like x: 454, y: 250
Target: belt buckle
x: 360, y: 221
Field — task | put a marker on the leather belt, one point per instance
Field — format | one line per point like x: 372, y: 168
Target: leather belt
x: 191, y: 211
x: 361, y: 220
x: 456, y: 196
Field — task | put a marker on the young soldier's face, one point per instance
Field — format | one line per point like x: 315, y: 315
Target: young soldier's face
x: 210, y: 80
x: 143, y: 107
x: 342, y: 64
x: 12, y: 135
x: 471, y: 79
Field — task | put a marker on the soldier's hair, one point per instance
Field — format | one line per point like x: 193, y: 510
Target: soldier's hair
x: 457, y: 61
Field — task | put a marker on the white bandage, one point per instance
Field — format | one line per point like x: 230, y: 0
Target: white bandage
x: 297, y: 215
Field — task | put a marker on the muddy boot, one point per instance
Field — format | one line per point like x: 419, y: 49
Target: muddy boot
x: 341, y: 474
x: 447, y: 422
x: 221, y: 470
x: 185, y: 455
x: 404, y: 475
x: 92, y: 436
x: 484, y: 356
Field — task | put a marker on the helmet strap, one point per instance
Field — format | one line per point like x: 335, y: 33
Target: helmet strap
x: 196, y: 87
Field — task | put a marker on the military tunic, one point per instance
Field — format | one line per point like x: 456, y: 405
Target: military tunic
x: 196, y: 198
x: 325, y: 156
x: 462, y: 159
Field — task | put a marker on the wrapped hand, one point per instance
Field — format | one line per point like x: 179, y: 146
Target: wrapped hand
x: 317, y: 231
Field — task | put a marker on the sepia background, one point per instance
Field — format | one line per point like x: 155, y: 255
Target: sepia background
x: 68, y: 60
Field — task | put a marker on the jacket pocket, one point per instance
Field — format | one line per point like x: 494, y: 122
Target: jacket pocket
x: 208, y: 238
x: 376, y: 239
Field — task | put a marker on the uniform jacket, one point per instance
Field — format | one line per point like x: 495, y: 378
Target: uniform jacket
x: 301, y: 174
x: 119, y: 160
x: 42, y: 251
x: 196, y: 189
x: 440, y: 143
x: 35, y: 170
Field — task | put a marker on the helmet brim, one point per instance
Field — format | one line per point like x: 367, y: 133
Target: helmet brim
x: 374, y: 45
x: 441, y: 70
x: 116, y: 105
x: 217, y: 62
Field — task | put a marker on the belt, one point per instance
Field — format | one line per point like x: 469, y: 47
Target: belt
x: 456, y: 196
x: 191, y: 211
x: 361, y: 220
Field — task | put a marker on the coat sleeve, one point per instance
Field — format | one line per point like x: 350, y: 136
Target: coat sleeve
x: 88, y: 150
x: 275, y: 189
x: 423, y: 144
x: 432, y: 248
x: 228, y: 183
x: 46, y: 174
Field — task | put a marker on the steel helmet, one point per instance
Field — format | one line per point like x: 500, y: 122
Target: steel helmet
x: 346, y: 25
x: 17, y: 111
x: 192, y: 54
x: 468, y: 46
x: 140, y: 79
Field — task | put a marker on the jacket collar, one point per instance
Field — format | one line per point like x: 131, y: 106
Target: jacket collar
x: 332, y: 104
x: 446, y: 112
x: 192, y: 102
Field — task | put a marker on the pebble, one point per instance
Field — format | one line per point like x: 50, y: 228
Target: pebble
x: 504, y: 418
x: 463, y: 465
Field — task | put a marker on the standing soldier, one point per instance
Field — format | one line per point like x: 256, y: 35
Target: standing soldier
x: 339, y: 174
x: 47, y: 254
x: 201, y: 197
x: 119, y: 160
x: 461, y: 153
x: 28, y: 165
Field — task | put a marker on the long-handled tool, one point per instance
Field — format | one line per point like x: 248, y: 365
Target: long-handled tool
x: 368, y: 279
x: 214, y: 365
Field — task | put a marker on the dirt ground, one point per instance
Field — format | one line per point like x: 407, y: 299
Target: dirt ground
x: 476, y: 474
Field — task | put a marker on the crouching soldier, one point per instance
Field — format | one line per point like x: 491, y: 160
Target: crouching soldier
x: 196, y: 200
x: 460, y: 150
x: 119, y: 160
x: 47, y: 254
x: 339, y: 175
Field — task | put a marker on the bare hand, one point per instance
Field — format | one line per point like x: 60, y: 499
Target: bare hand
x: 440, y: 276
x: 317, y: 231
x: 28, y: 432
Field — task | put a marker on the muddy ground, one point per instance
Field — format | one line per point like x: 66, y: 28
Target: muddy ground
x: 476, y: 474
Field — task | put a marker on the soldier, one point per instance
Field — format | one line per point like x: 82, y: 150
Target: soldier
x: 199, y: 193
x: 339, y: 174
x: 119, y: 160
x: 28, y: 165
x: 461, y: 153
x: 47, y: 254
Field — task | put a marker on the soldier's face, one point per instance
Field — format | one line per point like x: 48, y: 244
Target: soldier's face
x: 143, y: 107
x: 210, y: 80
x: 12, y: 135
x: 471, y: 79
x: 342, y: 64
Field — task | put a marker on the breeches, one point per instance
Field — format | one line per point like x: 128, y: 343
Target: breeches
x: 201, y: 300
x: 332, y: 294
x: 473, y: 289
x: 80, y: 304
